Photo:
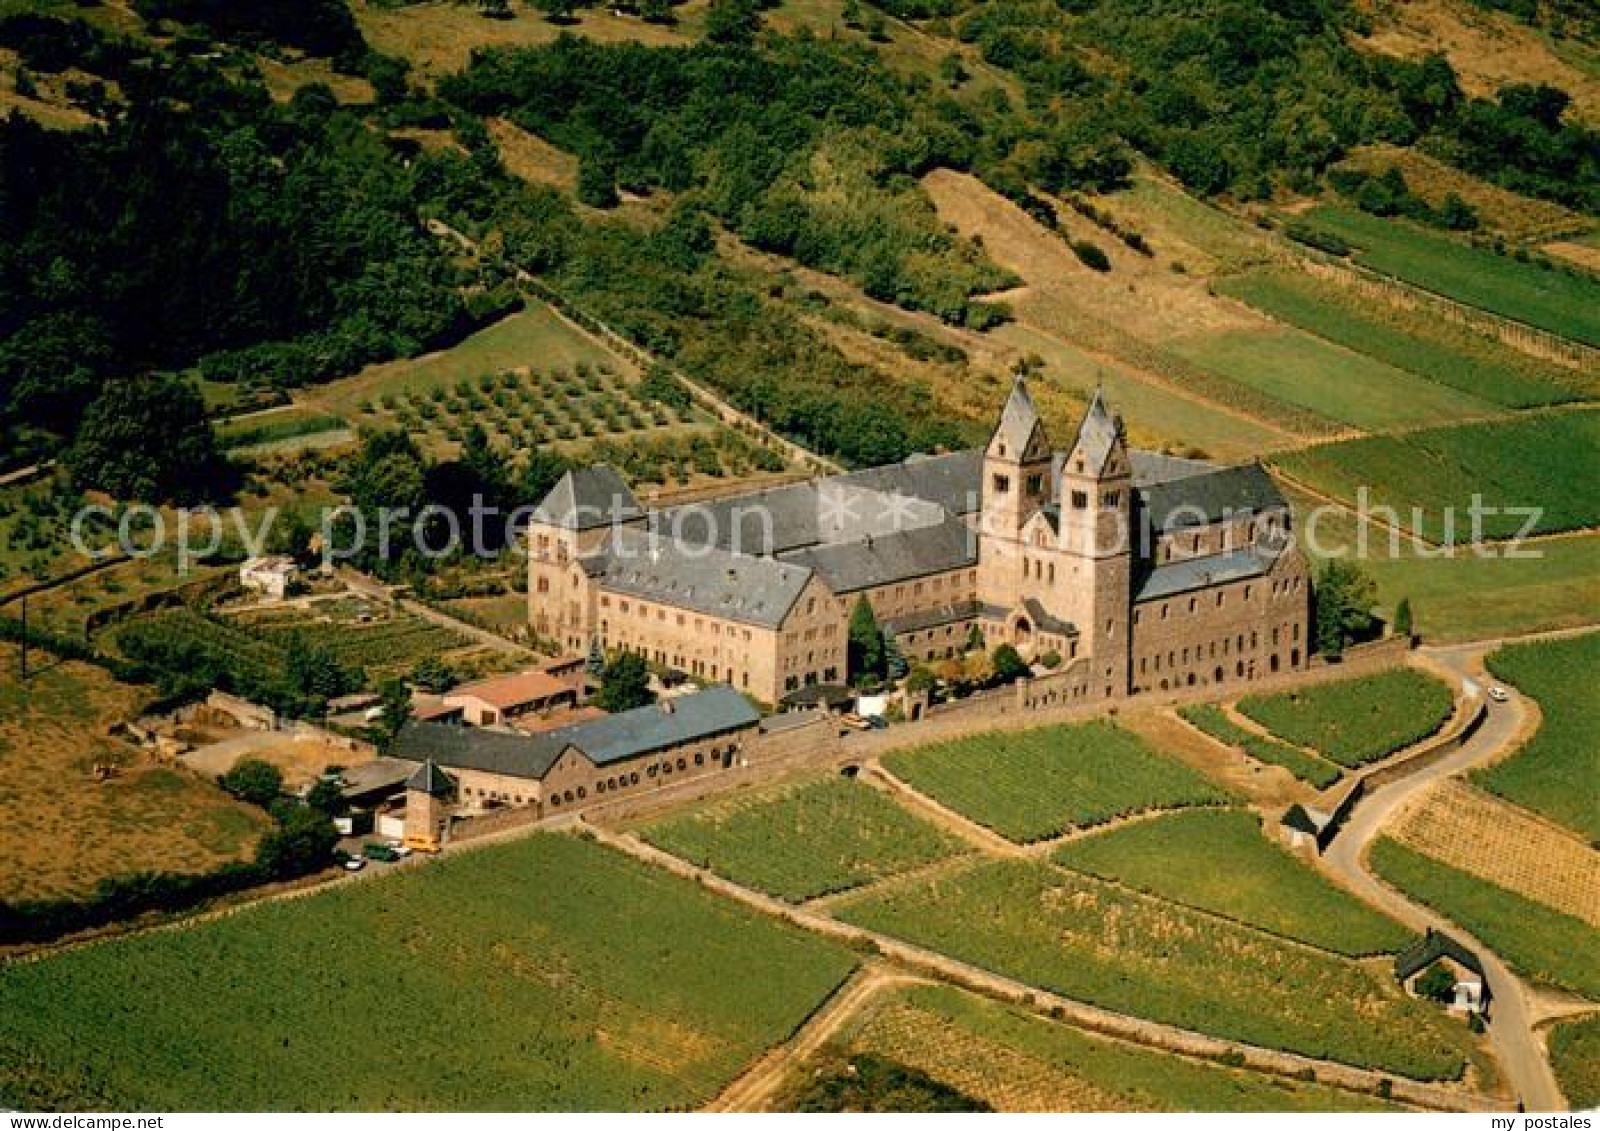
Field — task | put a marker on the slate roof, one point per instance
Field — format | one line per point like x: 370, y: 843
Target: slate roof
x: 706, y: 579
x: 430, y: 779
x: 587, y: 497
x: 932, y: 618
x: 1431, y: 947
x: 1157, y: 467
x: 611, y: 738
x: 1046, y: 622
x: 876, y: 501
x: 1018, y: 421
x: 1098, y: 433
x: 851, y: 566
x: 1171, y: 578
x: 1196, y: 500
x: 475, y: 748
x: 686, y: 718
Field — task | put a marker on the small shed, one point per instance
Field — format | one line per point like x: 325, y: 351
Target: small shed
x: 272, y: 577
x: 1470, y: 994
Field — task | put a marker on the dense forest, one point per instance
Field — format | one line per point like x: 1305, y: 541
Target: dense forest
x: 203, y: 226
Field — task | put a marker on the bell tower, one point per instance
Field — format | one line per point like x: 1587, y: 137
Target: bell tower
x: 1016, y: 483
x: 1095, y: 585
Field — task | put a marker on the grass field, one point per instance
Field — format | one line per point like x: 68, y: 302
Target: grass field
x: 1539, y: 942
x: 1557, y: 772
x: 1575, y: 1056
x: 1035, y: 784
x: 1463, y: 596
x: 1307, y: 767
x: 1356, y: 721
x: 1504, y: 845
x: 1486, y: 371
x: 1157, y: 414
x: 1133, y: 953
x: 546, y: 974
x: 274, y: 425
x: 1551, y: 300
x: 1334, y: 382
x: 1440, y: 470
x: 1015, y: 1060
x: 1219, y: 860
x: 803, y: 840
x: 65, y: 831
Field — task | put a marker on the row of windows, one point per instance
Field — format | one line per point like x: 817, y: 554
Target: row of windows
x: 662, y: 769
x: 701, y: 624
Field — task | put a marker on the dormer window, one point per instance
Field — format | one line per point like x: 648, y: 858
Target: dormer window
x: 1110, y: 498
x: 1035, y: 484
x: 1002, y: 483
x: 1080, y: 500
x: 1002, y: 447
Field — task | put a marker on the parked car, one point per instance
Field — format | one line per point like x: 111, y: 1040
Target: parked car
x: 400, y: 848
x: 354, y: 864
x: 855, y: 722
x: 373, y: 850
x: 1499, y: 694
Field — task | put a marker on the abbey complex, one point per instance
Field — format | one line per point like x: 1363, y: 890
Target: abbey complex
x: 1120, y: 570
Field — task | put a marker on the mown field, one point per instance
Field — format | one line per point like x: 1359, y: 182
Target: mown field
x: 273, y: 427
x: 1483, y: 370
x: 1552, y: 300
x: 803, y: 840
x: 1557, y: 772
x: 1540, y: 942
x: 1212, y: 720
x: 547, y: 974
x: 1575, y: 1057
x: 1220, y: 860
x: 1116, y: 948
x: 1035, y: 784
x: 1337, y: 384
x: 1538, y: 461
x: 1015, y: 1060
x: 64, y: 830
x: 1356, y: 721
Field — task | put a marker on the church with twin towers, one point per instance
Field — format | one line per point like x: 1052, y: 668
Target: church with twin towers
x: 1115, y: 569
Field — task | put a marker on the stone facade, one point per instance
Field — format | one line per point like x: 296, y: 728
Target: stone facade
x: 1138, y: 570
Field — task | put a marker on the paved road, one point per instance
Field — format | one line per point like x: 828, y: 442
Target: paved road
x: 1517, y: 1047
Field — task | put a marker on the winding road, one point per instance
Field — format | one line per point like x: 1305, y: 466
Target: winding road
x: 1517, y: 1047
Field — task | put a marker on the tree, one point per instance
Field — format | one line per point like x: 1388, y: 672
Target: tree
x: 559, y: 11
x: 312, y: 670
x: 733, y: 23
x: 894, y: 662
x: 394, y: 705
x: 865, y: 653
x: 542, y: 471
x: 660, y: 385
x: 147, y: 438
x: 327, y: 796
x: 1007, y: 665
x: 433, y: 674
x: 1402, y: 618
x: 1342, y: 601
x: 597, y: 181
x: 595, y: 664
x: 974, y: 639
x: 302, y: 843
x: 253, y: 781
x: 921, y: 679
x: 1437, y: 983
x: 625, y: 684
